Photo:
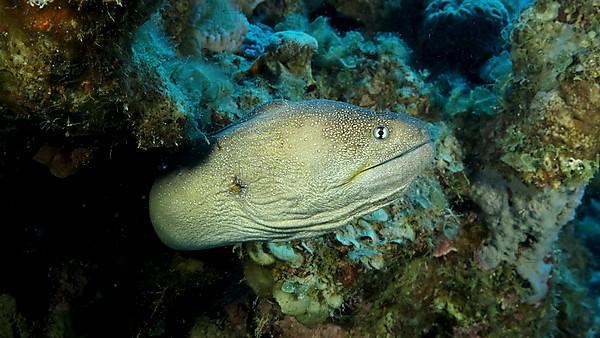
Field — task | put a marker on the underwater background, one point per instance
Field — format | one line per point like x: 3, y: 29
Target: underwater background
x: 500, y: 239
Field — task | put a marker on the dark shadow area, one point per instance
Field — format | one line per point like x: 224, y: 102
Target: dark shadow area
x: 82, y: 250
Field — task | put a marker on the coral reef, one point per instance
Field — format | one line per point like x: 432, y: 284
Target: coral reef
x: 56, y: 74
x: 219, y: 25
x: 551, y: 151
x: 551, y: 138
x: 12, y: 323
x: 374, y: 15
x: 370, y: 72
x: 464, y: 31
x: 273, y: 11
x: 525, y: 223
x: 287, y: 59
x: 97, y: 98
x: 315, y: 287
x: 522, y: 222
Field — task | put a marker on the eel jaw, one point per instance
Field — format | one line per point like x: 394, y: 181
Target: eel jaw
x: 400, y: 155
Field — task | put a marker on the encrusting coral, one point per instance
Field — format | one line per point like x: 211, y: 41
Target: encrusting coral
x: 287, y: 60
x: 12, y: 323
x: 370, y: 72
x: 56, y: 74
x: 522, y: 224
x: 525, y: 224
x: 220, y: 25
x: 548, y: 138
x: 292, y: 50
x: 553, y: 140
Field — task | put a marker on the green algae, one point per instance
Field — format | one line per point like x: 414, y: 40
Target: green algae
x: 12, y: 323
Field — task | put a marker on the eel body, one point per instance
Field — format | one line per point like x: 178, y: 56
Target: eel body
x: 291, y: 170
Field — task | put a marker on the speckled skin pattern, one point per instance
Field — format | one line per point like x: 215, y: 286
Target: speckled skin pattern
x: 291, y: 170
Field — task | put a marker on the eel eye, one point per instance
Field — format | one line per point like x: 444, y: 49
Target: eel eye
x: 381, y: 132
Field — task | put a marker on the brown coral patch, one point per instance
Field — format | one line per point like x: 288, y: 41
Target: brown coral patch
x: 61, y: 162
x: 52, y: 19
x: 578, y: 12
x: 290, y: 327
x: 347, y: 274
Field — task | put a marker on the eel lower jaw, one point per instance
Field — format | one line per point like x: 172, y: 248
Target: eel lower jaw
x: 399, y: 156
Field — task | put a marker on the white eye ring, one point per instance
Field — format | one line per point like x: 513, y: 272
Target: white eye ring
x: 381, y: 132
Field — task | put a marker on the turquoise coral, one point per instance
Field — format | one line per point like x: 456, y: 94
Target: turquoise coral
x: 219, y: 25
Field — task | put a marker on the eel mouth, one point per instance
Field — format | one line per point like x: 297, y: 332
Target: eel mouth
x: 399, y: 156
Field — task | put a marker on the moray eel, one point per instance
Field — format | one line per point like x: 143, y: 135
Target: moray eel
x: 290, y: 170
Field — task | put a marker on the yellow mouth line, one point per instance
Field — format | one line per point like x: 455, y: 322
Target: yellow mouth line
x: 402, y: 154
